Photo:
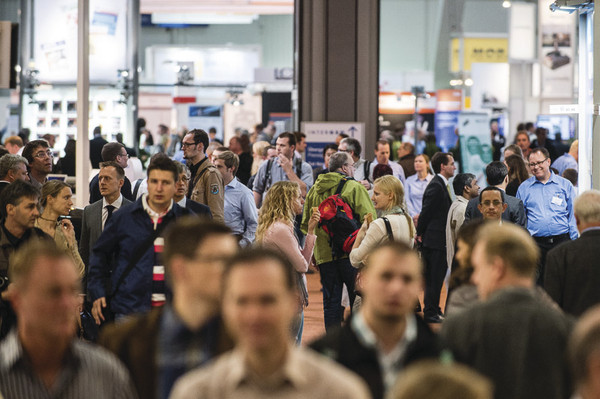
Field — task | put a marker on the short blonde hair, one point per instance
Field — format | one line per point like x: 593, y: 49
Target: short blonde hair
x: 513, y: 245
x: 430, y: 379
x: 25, y: 258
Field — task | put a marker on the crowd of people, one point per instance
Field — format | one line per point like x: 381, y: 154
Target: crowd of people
x: 191, y: 282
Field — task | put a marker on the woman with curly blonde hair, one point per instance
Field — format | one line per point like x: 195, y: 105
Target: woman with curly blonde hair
x: 388, y: 199
x: 276, y: 231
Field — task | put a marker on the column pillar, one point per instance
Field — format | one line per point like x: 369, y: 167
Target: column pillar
x: 337, y: 63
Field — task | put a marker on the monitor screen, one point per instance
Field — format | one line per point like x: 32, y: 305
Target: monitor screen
x: 562, y: 124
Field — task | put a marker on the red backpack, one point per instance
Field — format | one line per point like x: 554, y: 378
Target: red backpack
x: 339, y: 222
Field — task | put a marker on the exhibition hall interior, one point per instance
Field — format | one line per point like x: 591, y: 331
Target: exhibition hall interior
x: 299, y: 198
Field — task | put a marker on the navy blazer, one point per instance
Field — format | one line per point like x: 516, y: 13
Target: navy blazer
x: 198, y: 208
x: 431, y: 225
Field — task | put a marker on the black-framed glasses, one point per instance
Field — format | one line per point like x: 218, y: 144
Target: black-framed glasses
x: 534, y: 164
x: 44, y: 154
x: 184, y: 144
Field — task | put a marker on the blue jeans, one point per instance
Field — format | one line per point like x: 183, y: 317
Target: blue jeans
x: 334, y: 275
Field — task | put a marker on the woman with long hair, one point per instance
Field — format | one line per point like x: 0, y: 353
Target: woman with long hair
x: 517, y: 173
x: 416, y: 184
x: 276, y: 230
x: 56, y: 199
x: 462, y: 291
x: 388, y: 199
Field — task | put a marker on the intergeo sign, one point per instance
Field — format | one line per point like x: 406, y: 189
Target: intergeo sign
x: 326, y: 132
x: 319, y: 134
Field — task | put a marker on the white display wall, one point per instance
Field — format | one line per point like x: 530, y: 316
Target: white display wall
x: 56, y: 113
x: 55, y: 40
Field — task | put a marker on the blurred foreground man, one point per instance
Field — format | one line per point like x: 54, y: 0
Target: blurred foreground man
x: 41, y: 358
x: 513, y: 336
x: 260, y: 300
x: 385, y: 335
x: 160, y: 346
x: 584, y: 355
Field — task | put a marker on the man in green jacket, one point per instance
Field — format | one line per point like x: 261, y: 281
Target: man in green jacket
x: 338, y: 271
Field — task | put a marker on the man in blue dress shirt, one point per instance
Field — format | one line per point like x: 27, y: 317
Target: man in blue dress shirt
x: 548, y: 201
x: 240, y: 210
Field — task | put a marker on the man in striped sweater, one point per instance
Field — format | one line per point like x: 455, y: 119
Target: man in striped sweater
x: 129, y: 249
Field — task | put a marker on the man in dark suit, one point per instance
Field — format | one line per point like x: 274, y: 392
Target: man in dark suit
x: 572, y: 276
x: 497, y: 176
x: 112, y: 152
x: 514, y: 336
x: 431, y: 233
x: 96, y: 215
x: 96, y: 145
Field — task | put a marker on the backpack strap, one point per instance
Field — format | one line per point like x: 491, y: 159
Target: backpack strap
x: 267, y: 174
x: 137, y: 188
x: 341, y: 185
x: 367, y: 170
x: 299, y: 168
x: 388, y: 227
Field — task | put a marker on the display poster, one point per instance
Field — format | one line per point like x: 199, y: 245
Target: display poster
x: 447, y: 109
x: 319, y: 134
x: 557, y: 35
x: 204, y: 117
x: 55, y: 39
x: 477, y: 49
x: 475, y: 144
x: 490, y: 88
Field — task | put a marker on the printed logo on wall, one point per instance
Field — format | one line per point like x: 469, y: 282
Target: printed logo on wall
x: 319, y: 134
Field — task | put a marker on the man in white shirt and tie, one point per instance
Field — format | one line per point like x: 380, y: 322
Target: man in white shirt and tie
x: 96, y: 215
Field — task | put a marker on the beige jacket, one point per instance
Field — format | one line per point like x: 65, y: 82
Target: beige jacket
x: 208, y: 190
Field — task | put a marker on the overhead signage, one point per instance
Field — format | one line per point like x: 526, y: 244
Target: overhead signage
x: 319, y: 134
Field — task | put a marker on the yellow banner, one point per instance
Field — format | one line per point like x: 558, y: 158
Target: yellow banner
x: 477, y: 50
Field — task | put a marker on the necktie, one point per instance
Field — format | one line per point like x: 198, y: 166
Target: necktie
x: 110, y: 209
x: 448, y: 188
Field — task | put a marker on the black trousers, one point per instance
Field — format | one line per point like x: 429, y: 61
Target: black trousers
x: 435, y: 272
x: 546, y: 244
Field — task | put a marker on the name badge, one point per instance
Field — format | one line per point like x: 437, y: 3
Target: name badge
x: 556, y: 200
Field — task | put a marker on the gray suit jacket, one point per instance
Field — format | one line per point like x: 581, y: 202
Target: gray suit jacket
x: 515, y: 211
x: 91, y: 228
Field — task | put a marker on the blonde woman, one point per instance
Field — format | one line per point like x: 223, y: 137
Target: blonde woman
x: 259, y: 153
x: 276, y: 231
x: 56, y: 199
x: 388, y: 199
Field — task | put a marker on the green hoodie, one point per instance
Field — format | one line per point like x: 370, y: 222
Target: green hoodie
x: 353, y: 193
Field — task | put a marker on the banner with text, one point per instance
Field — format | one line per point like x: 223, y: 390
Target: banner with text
x: 319, y: 134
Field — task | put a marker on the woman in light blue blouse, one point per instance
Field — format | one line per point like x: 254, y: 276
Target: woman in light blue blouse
x: 416, y: 184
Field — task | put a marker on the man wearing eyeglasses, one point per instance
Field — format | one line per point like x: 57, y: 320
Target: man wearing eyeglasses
x: 114, y: 152
x: 492, y: 204
x: 206, y: 183
x: 548, y: 201
x: 39, y: 155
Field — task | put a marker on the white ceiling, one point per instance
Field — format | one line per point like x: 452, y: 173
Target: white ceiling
x: 260, y: 7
